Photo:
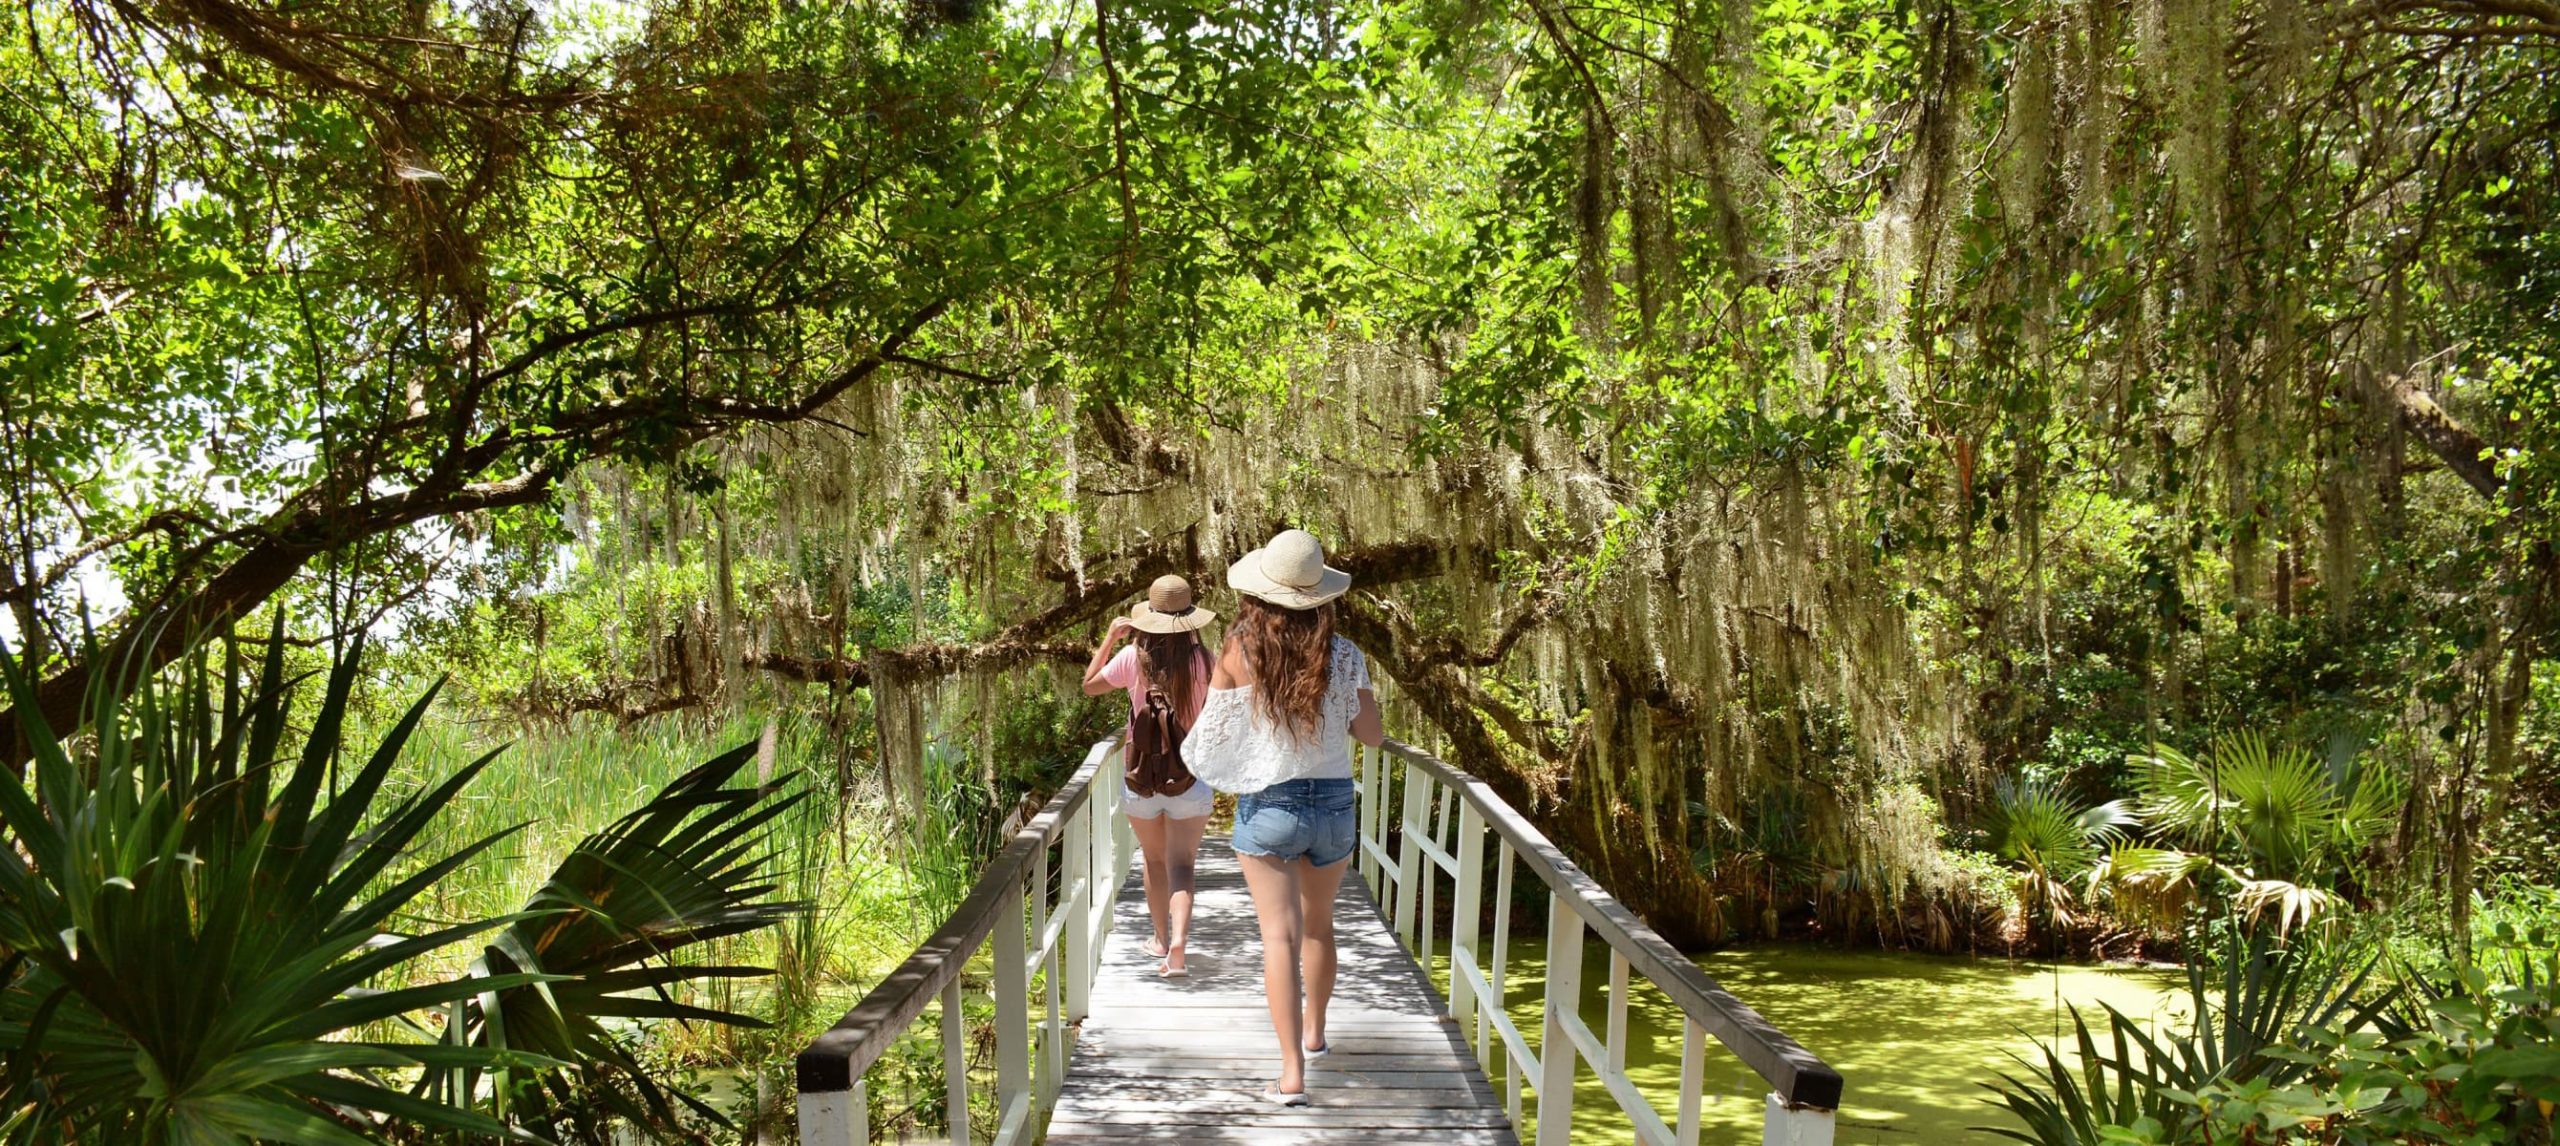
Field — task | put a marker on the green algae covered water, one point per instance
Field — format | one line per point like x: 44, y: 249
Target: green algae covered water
x: 1915, y: 1036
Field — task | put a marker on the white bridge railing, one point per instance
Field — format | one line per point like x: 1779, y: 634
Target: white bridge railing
x: 1441, y: 822
x: 1054, y: 940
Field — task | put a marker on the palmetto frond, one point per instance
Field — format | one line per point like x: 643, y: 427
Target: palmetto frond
x: 2126, y: 1069
x: 2047, y: 832
x: 196, y: 941
x: 688, y: 867
x: 2054, y: 840
x: 2293, y: 903
x: 2179, y: 796
x: 2372, y: 794
x: 192, y: 941
x: 2154, y: 885
x: 2292, y: 816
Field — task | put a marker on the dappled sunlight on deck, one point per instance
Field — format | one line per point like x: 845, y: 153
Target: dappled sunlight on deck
x: 1093, y: 1046
x: 1184, y: 1060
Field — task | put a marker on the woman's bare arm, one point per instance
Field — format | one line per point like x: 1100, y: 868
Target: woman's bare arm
x: 1369, y: 727
x: 1094, y: 685
x: 1229, y: 671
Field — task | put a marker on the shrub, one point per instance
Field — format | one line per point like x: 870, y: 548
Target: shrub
x: 208, y: 938
x: 2473, y: 1061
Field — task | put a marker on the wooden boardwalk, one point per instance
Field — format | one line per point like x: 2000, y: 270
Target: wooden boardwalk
x: 1185, y: 1060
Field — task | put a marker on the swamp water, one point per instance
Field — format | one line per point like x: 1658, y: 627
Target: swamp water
x: 1915, y: 1036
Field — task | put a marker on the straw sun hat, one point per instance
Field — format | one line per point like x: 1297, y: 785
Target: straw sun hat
x: 1168, y: 608
x: 1288, y: 571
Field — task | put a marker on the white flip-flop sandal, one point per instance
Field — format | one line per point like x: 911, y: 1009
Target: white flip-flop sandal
x: 1283, y: 1098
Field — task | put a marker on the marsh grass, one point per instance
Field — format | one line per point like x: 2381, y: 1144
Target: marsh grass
x: 878, y: 889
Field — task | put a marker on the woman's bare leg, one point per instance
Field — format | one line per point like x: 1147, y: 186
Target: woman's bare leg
x: 1276, y: 906
x: 1181, y: 862
x: 1151, y: 850
x: 1316, y: 959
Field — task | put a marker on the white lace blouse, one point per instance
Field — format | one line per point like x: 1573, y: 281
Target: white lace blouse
x: 1236, y: 749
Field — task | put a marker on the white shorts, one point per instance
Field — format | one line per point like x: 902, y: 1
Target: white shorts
x: 1190, y: 805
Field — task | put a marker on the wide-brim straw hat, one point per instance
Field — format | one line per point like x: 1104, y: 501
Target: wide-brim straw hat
x: 1168, y: 609
x: 1289, y: 571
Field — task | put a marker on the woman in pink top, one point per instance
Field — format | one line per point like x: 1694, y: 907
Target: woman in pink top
x: 1168, y: 657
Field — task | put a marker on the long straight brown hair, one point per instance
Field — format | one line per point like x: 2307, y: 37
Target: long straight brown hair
x: 1291, y: 651
x: 1165, y: 661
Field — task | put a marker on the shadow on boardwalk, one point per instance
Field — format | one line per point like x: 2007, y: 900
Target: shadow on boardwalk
x: 1185, y: 1060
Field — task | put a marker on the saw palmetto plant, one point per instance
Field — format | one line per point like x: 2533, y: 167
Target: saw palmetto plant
x: 2055, y: 841
x: 2115, y: 1070
x: 214, y: 929
x: 2293, y: 822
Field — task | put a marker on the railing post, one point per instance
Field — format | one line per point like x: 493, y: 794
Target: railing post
x: 955, y: 1063
x: 1013, y: 1002
x: 1409, y: 856
x: 1435, y: 818
x: 1462, y: 928
x: 1564, y: 1001
x: 1497, y: 987
x: 836, y: 1117
x: 1693, y: 1080
x: 1617, y: 1043
x: 1079, y: 938
x: 1124, y: 840
x: 1785, y: 1125
x: 1105, y: 801
x: 1053, y: 1059
x: 1373, y: 788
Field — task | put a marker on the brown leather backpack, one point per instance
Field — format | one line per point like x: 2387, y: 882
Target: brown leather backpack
x: 1153, y: 757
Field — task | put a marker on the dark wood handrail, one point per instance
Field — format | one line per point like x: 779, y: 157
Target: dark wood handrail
x: 1793, y: 1072
x: 840, y: 1055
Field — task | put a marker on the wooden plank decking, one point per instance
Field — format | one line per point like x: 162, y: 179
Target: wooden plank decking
x: 1185, y: 1060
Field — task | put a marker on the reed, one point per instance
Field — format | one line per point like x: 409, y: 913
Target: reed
x: 879, y: 888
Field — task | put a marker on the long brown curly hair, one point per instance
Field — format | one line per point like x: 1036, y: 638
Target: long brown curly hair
x: 1291, y: 651
x: 1165, y: 661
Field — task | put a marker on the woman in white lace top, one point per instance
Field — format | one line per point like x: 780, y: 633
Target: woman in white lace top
x: 1285, y: 701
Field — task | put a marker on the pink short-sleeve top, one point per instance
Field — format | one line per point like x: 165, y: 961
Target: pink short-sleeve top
x: 1122, y: 671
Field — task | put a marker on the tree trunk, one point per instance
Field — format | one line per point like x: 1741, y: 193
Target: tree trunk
x: 1671, y: 896
x: 2462, y: 451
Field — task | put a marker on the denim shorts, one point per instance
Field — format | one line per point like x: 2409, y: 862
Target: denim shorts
x: 1318, y: 819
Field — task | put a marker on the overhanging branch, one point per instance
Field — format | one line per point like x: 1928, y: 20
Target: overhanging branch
x: 2463, y: 452
x: 315, y: 521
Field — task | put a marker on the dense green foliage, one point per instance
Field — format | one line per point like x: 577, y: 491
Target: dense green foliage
x: 2292, y: 1047
x: 211, y: 933
x: 2124, y: 1074
x: 281, y: 287
x: 1744, y: 404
